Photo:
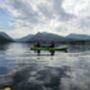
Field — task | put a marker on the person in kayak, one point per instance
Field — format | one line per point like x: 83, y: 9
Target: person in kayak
x: 52, y: 45
x: 38, y: 45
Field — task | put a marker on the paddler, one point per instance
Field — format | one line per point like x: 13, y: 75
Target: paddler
x: 38, y: 45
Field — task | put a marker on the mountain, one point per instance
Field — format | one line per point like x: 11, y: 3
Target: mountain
x: 44, y: 37
x: 78, y: 37
x: 48, y: 37
x: 4, y: 38
x: 25, y: 39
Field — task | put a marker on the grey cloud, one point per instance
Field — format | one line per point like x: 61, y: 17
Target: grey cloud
x: 27, y: 11
x: 52, y: 10
x: 59, y: 10
x: 85, y: 22
x: 46, y: 11
x: 61, y: 29
x: 55, y: 10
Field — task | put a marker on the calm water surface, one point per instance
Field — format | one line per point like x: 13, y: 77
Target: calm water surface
x: 64, y: 71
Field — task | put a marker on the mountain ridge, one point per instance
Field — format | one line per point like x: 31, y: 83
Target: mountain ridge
x: 78, y: 36
x: 45, y: 37
x: 4, y: 38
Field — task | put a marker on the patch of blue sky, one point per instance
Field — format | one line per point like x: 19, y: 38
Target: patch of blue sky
x: 5, y: 19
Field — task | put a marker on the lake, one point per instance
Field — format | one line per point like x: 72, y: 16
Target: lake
x: 22, y: 69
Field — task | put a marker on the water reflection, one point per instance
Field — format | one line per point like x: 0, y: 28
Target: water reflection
x: 22, y: 69
x: 3, y: 46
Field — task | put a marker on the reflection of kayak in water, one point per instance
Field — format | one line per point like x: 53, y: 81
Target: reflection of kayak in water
x: 49, y: 49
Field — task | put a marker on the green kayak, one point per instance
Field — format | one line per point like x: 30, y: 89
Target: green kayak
x: 50, y: 49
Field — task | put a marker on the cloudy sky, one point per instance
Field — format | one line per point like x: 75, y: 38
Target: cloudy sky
x: 21, y: 17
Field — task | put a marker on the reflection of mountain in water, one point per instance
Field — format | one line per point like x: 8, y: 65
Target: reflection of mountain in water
x: 4, y: 46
